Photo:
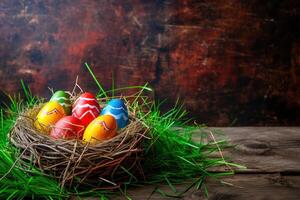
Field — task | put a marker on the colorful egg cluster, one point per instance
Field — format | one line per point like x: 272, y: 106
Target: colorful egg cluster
x: 83, y: 120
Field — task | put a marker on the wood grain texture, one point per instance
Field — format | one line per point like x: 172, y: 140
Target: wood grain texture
x: 254, y: 187
x: 232, y: 62
x: 271, y: 155
x: 265, y: 149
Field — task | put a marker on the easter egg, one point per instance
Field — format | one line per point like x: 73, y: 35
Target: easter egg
x: 50, y: 113
x: 102, y: 128
x: 117, y: 109
x: 63, y: 99
x: 68, y: 127
x: 86, y: 108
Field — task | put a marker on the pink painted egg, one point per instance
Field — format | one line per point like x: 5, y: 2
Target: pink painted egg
x: 86, y: 108
x: 68, y: 127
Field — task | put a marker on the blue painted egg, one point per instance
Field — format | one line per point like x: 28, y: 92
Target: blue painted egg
x: 117, y: 109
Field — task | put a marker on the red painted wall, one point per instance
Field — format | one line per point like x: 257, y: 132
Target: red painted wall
x: 232, y: 62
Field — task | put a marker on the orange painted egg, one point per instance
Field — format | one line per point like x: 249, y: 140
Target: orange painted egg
x: 102, y: 128
x: 50, y: 113
x: 68, y: 127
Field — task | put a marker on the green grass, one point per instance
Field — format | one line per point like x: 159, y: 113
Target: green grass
x: 171, y: 155
x: 14, y: 182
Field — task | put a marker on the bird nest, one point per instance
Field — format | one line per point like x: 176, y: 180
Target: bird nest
x: 104, y: 165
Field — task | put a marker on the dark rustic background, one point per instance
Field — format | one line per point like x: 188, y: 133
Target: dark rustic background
x: 233, y: 62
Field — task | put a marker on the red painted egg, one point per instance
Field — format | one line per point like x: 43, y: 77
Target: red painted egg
x: 86, y: 108
x: 68, y: 127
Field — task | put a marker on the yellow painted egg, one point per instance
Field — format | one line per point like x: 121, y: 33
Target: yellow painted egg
x: 50, y: 113
x: 102, y: 128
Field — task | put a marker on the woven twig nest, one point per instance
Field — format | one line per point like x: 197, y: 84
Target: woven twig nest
x: 73, y: 162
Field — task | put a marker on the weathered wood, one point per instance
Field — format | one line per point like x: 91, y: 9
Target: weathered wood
x: 271, y: 155
x: 265, y: 149
x: 243, y: 186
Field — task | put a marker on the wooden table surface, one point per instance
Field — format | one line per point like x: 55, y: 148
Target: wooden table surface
x: 272, y: 158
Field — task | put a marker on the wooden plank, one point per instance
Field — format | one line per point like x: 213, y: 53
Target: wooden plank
x: 244, y: 186
x: 265, y: 149
x: 271, y: 155
x: 253, y: 186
